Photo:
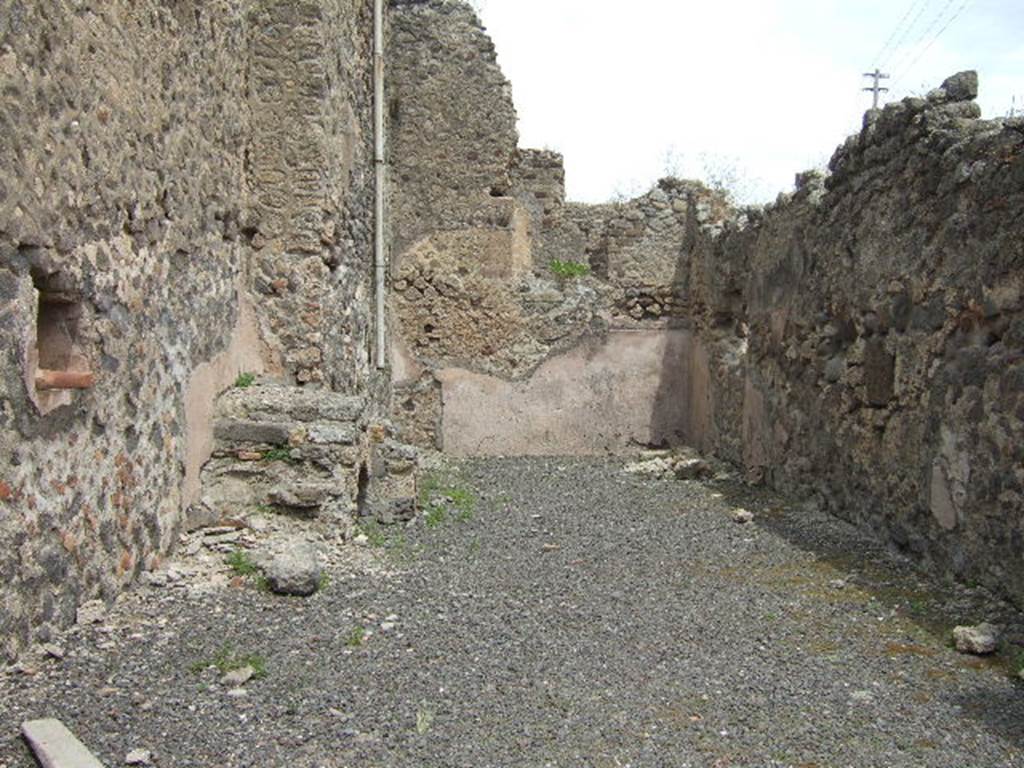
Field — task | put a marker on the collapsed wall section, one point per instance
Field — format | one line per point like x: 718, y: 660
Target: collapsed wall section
x: 489, y: 301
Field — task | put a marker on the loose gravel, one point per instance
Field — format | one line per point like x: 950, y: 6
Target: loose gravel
x: 560, y: 613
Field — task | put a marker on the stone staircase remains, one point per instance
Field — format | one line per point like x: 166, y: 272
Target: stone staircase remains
x: 306, y: 452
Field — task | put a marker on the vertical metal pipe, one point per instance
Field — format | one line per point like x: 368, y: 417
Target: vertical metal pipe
x: 379, y: 253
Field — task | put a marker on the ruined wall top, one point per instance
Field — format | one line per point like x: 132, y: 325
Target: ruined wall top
x: 450, y: 111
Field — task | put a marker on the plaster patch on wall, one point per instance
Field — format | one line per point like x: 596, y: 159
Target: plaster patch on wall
x: 245, y: 353
x: 598, y: 398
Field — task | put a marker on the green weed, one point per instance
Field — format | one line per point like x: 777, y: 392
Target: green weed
x: 424, y: 719
x: 373, y: 531
x: 568, y: 269
x: 240, y: 562
x: 441, y: 497
x: 278, y: 454
x: 245, y: 380
x: 356, y: 637
x: 226, y: 660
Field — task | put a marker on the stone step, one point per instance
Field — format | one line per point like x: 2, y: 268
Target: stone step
x: 305, y: 451
x: 279, y: 404
x: 253, y: 435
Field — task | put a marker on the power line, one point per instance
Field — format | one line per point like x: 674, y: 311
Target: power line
x: 947, y: 25
x: 901, y: 30
x: 932, y: 26
x: 897, y: 47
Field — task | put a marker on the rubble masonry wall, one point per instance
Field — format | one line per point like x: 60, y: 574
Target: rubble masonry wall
x: 185, y: 194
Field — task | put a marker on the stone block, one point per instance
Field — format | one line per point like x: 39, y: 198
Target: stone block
x: 879, y: 373
x: 245, y: 431
x: 962, y: 86
x: 275, y: 403
x: 325, y: 434
x: 55, y: 746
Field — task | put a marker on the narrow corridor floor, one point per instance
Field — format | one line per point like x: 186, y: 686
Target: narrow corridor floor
x: 558, y: 613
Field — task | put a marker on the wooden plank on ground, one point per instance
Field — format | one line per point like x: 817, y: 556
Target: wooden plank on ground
x: 55, y: 746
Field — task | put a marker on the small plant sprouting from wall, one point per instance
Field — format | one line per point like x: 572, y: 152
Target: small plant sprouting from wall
x: 245, y: 380
x: 567, y: 270
x: 278, y: 454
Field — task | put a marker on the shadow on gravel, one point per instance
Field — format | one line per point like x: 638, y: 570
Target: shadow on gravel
x: 999, y: 711
x: 930, y: 603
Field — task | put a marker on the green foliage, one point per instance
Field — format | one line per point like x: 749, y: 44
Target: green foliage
x: 373, y: 531
x: 389, y: 538
x: 226, y: 660
x: 245, y: 380
x: 424, y: 719
x: 240, y: 562
x: 1018, y: 663
x: 356, y: 637
x: 567, y: 270
x: 441, y: 497
x: 278, y: 454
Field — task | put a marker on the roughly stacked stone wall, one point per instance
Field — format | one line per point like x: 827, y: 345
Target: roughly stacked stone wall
x: 121, y: 143
x: 186, y: 186
x: 884, y: 306
x: 311, y: 181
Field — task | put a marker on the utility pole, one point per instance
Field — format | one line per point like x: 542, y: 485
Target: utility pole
x: 877, y: 76
x: 1013, y: 107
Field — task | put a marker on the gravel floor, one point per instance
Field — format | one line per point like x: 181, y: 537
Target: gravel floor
x: 566, y: 614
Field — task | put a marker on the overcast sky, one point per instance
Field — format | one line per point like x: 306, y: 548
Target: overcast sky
x: 628, y: 91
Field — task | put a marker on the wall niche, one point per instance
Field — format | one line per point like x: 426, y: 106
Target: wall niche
x: 57, y: 365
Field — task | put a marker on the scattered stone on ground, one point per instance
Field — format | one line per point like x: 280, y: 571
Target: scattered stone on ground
x: 648, y: 638
x: 236, y: 678
x: 91, y: 612
x: 139, y: 757
x: 980, y: 640
x: 294, y: 571
x: 742, y: 516
x: 675, y: 464
x: 54, y: 746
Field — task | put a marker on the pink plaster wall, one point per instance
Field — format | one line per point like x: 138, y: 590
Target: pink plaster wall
x: 605, y: 396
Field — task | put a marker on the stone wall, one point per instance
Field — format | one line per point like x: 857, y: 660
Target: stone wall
x: 311, y: 184
x: 184, y: 195
x: 885, y: 349
x: 478, y: 226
